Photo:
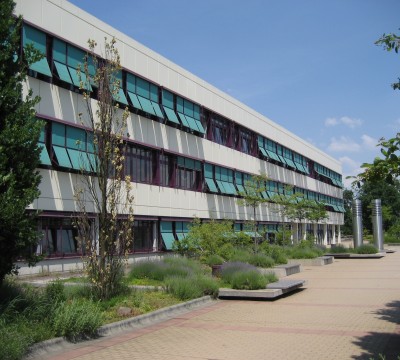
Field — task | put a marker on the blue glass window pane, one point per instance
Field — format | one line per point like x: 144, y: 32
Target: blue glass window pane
x: 131, y: 83
x: 191, y: 122
x: 153, y: 93
x: 208, y: 171
x: 200, y: 126
x: 76, y: 138
x: 179, y: 104
x: 60, y: 51
x: 196, y: 112
x: 168, y: 99
x: 166, y: 226
x: 79, y: 159
x: 221, y: 187
x: 77, y: 81
x: 188, y: 108
x: 35, y: 37
x: 75, y: 57
x: 58, y: 134
x: 143, y: 88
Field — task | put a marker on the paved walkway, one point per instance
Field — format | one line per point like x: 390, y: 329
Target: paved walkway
x: 349, y: 310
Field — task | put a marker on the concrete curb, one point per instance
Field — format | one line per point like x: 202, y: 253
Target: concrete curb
x: 59, y: 343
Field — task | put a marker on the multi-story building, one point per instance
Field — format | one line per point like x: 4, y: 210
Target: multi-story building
x: 191, y: 146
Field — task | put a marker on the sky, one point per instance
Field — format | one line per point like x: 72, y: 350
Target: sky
x: 309, y: 65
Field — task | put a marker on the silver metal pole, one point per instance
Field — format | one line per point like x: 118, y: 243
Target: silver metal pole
x: 357, y: 223
x: 377, y: 223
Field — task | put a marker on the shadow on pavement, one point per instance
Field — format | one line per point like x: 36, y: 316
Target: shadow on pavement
x: 379, y: 346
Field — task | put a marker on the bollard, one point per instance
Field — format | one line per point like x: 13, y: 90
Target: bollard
x: 357, y: 223
x: 377, y: 223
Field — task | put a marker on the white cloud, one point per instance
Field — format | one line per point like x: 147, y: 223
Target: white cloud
x: 350, y: 168
x: 343, y: 144
x: 369, y: 142
x: 344, y: 120
x: 331, y: 122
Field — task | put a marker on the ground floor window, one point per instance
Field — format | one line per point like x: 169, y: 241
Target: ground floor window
x: 143, y: 236
x: 59, y: 237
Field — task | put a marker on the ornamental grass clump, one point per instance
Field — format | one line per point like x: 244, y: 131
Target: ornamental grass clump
x: 261, y: 260
x: 78, y: 318
x: 186, y: 288
x: 338, y: 249
x: 366, y: 249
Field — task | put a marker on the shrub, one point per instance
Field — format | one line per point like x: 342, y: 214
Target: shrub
x: 230, y: 268
x: 248, y: 280
x: 262, y: 260
x: 77, y: 318
x: 338, y: 249
x: 303, y: 253
x: 214, y: 260
x: 366, y: 249
x: 190, y: 287
x: 240, y: 255
x: 54, y: 292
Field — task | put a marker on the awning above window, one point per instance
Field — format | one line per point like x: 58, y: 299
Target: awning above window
x: 44, y: 155
x: 171, y: 116
x: 146, y: 105
x: 134, y: 100
x: 211, y: 185
x: 157, y: 109
x: 62, y: 156
x: 168, y: 239
x: 63, y: 72
x: 42, y: 67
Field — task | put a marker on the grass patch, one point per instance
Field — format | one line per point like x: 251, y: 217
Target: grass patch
x: 366, y: 249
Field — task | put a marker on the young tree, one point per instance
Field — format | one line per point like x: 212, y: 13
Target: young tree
x: 348, y: 198
x: 297, y: 208
x: 253, y: 198
x: 19, y: 152
x: 108, y: 236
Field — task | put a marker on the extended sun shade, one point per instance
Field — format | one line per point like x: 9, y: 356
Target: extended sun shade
x: 167, y: 234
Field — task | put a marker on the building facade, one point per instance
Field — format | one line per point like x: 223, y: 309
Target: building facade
x: 191, y: 147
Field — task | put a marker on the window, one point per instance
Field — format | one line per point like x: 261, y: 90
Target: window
x: 37, y: 39
x: 168, y: 105
x: 44, y: 155
x: 60, y: 237
x: 69, y: 64
x: 143, y: 236
x: 181, y: 229
x: 219, y: 130
x: 188, y: 174
x: 72, y: 147
x: 166, y: 170
x: 167, y: 234
x: 143, y: 95
x: 189, y: 114
x: 244, y: 142
x: 209, y: 178
x: 139, y: 164
x: 224, y: 180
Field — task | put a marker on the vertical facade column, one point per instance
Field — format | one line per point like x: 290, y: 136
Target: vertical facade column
x: 333, y: 234
x: 339, y: 235
x: 155, y: 237
x: 325, y: 234
x: 295, y: 233
x: 315, y: 232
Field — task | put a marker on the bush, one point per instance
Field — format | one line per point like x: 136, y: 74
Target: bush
x: 338, y: 249
x: 248, y: 280
x: 240, y: 255
x: 214, y: 260
x: 191, y: 287
x: 55, y: 292
x: 76, y: 319
x: 303, y: 253
x: 366, y: 249
x: 230, y: 268
x: 262, y: 260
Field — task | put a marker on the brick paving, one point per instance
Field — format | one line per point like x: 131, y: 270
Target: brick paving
x: 348, y: 310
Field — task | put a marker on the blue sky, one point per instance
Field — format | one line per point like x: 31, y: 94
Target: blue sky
x: 308, y: 65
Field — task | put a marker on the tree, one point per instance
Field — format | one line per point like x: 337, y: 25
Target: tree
x: 296, y: 207
x: 107, y: 238
x: 390, y: 196
x: 348, y: 198
x: 253, y: 197
x: 19, y: 151
x: 388, y: 167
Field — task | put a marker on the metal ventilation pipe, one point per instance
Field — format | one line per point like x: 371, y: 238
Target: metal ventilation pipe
x: 357, y: 223
x: 377, y: 223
